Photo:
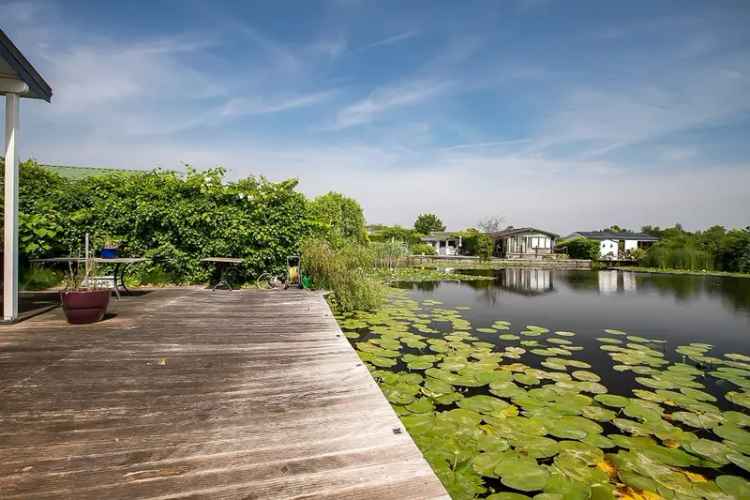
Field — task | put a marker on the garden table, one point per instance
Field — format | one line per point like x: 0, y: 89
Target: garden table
x: 222, y: 264
x: 118, y: 275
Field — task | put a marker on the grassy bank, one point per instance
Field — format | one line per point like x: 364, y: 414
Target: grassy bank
x: 657, y: 270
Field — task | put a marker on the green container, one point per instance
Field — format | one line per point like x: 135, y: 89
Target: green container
x: 306, y: 282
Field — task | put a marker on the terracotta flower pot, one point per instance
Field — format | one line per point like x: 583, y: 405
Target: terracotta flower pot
x: 85, y: 306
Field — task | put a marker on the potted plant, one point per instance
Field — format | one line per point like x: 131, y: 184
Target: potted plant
x: 83, y: 302
x: 111, y: 249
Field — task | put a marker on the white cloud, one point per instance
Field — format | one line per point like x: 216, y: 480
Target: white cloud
x: 389, y: 98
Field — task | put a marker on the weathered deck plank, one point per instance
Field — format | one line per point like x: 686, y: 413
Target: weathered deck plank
x: 193, y: 394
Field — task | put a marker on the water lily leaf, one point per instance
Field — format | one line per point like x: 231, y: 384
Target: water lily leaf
x: 536, y: 446
x: 738, y: 357
x: 712, y: 450
x: 643, y: 411
x: 421, y: 405
x: 734, y: 486
x: 505, y: 389
x: 739, y: 398
x: 508, y: 496
x: 485, y: 463
x: 565, y: 334
x: 586, y: 376
x: 734, y: 434
x: 483, y: 404
x: 598, y: 413
x: 543, y: 352
x: 486, y: 330
x: 631, y: 427
x: 736, y: 418
x: 572, y: 427
x: 612, y: 400
x: 522, y: 474
x: 742, y: 461
x: 655, y: 383
x: 696, y: 394
x: 525, y: 379
x: 613, y: 331
x: 697, y: 420
x: 508, y: 337
x: 599, y: 441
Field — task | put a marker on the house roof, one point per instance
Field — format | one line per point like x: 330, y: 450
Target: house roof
x: 440, y: 236
x: 611, y: 235
x: 14, y: 65
x: 74, y: 172
x: 512, y: 231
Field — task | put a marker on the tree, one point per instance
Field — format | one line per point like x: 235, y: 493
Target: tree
x: 616, y: 229
x: 491, y: 224
x: 340, y: 218
x: 484, y: 247
x: 428, y: 223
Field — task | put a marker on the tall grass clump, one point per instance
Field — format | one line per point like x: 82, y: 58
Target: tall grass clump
x: 678, y: 257
x: 347, y: 271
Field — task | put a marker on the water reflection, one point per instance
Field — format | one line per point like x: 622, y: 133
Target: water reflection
x: 731, y: 293
x: 525, y: 281
x: 616, y: 282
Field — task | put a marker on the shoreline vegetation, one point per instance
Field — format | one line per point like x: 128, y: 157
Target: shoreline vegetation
x: 657, y: 270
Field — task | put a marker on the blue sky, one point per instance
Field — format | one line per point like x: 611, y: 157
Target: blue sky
x: 564, y: 115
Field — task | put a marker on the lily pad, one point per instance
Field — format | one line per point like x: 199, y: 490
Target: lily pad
x: 612, y: 400
x: 586, y: 376
x: 712, y: 450
x: 522, y: 474
x: 483, y: 404
x: 742, y: 461
x: 613, y: 331
x: 734, y: 486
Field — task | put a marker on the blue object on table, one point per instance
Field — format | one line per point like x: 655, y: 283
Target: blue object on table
x: 109, y: 253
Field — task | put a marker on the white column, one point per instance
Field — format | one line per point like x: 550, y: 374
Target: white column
x: 10, y: 259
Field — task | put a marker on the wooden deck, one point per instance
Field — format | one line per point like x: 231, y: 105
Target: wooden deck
x: 196, y: 394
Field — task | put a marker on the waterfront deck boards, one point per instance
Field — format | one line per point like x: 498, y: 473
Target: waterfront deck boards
x: 196, y: 394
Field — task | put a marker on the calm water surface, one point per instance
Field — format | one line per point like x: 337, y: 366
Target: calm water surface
x: 675, y: 308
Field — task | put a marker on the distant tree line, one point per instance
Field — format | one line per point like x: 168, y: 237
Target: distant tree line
x: 715, y: 248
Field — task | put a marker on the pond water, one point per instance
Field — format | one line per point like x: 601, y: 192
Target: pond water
x: 506, y: 383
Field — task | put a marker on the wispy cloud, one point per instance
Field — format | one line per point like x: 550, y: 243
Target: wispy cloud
x: 484, y: 145
x: 256, y: 106
x: 390, y: 98
x: 392, y: 39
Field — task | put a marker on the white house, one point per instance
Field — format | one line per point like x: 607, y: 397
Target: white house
x: 18, y: 79
x: 444, y: 243
x: 616, y: 245
x: 523, y: 243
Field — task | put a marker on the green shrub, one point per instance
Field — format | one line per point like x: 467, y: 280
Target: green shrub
x: 582, y: 248
x: 346, y: 271
x: 174, y: 220
x: 40, y: 278
x: 423, y: 249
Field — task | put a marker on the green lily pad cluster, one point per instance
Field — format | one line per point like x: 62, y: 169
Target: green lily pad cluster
x: 504, y: 413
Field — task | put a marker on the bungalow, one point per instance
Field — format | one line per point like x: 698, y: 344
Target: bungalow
x: 444, y: 243
x: 616, y: 245
x: 523, y: 243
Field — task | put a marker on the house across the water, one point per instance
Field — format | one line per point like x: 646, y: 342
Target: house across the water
x: 444, y: 243
x: 523, y: 243
x: 616, y: 245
